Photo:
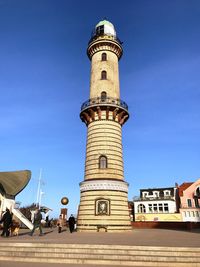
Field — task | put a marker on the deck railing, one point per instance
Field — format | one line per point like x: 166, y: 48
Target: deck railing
x: 104, y: 101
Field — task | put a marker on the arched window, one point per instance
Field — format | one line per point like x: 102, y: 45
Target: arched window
x: 103, y: 56
x: 104, y: 75
x: 103, y: 162
x: 141, y: 208
x: 103, y: 96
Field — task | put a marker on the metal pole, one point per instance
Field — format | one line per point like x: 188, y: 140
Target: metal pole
x: 38, y: 189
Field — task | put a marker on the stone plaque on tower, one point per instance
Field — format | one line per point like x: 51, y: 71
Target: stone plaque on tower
x: 104, y: 200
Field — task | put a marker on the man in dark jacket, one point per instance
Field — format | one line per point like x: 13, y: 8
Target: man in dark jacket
x: 71, y: 223
x: 37, y: 222
x: 7, y: 221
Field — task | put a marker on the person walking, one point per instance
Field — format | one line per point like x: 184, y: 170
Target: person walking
x: 7, y: 222
x: 71, y: 223
x: 37, y: 222
x: 60, y: 224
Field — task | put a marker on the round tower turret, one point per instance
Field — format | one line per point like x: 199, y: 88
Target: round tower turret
x: 104, y: 37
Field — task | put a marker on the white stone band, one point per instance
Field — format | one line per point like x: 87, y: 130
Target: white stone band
x: 112, y: 185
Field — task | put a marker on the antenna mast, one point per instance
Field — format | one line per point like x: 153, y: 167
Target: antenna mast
x: 38, y: 189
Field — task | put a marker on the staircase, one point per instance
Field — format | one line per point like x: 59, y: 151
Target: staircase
x: 22, y: 218
x: 107, y: 255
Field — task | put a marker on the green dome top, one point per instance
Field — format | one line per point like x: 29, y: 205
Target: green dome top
x: 106, y: 27
x: 104, y: 22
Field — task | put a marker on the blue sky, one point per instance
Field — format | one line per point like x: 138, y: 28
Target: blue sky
x: 44, y: 79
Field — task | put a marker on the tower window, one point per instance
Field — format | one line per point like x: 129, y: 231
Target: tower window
x: 100, y: 30
x: 104, y: 75
x: 103, y: 162
x: 103, y: 56
x: 103, y: 96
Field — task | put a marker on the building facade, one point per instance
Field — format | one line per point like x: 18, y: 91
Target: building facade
x: 157, y: 204
x: 189, y: 194
x: 103, y: 201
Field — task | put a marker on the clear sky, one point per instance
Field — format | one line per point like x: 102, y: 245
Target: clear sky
x: 44, y: 79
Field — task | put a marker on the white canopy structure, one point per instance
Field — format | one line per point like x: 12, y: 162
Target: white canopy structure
x: 11, y: 184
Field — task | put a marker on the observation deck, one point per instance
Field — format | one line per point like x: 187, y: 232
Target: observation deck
x: 111, y: 101
x: 108, y: 108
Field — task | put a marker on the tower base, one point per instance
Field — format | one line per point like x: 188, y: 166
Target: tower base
x: 103, y: 206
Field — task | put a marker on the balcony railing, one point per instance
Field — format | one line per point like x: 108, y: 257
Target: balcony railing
x: 149, y: 198
x: 95, y: 35
x: 185, y: 206
x: 104, y: 101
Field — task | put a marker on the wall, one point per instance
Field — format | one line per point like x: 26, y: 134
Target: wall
x: 166, y: 225
x: 158, y: 217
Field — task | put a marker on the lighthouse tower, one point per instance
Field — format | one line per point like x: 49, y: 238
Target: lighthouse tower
x: 104, y: 202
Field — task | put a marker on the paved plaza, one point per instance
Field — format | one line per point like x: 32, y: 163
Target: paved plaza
x: 137, y: 237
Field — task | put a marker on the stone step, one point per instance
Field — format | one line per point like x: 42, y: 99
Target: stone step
x: 101, y: 262
x: 94, y: 246
x: 120, y: 252
x: 100, y: 254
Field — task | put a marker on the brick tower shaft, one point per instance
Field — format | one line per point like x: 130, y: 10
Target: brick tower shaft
x: 104, y: 204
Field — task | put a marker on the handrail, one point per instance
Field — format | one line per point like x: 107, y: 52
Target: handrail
x: 95, y: 36
x: 105, y: 100
x: 149, y: 198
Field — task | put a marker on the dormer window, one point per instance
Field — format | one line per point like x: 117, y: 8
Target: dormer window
x: 145, y: 194
x: 156, y: 193
x: 167, y: 193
